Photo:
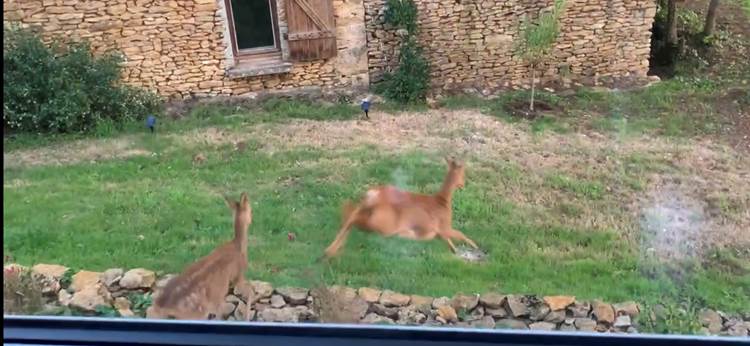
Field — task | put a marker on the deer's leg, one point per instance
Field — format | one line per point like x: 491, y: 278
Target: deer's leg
x: 447, y: 239
x: 459, y: 235
x: 190, y: 314
x: 178, y: 313
x: 244, y: 289
x: 406, y: 233
x: 155, y: 312
x: 346, y: 228
x: 247, y: 291
x: 337, y: 243
x: 215, y: 309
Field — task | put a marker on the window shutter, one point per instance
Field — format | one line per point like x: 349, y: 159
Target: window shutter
x: 311, y: 29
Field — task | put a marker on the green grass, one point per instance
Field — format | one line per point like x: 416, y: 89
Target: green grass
x: 162, y: 212
x: 681, y: 107
x: 746, y: 6
x: 91, y: 216
x: 583, y: 189
x: 273, y: 110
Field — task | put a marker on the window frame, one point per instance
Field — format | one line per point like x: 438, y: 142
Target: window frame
x: 258, y: 51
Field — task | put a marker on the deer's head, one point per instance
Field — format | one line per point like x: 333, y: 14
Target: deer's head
x: 455, y: 173
x: 241, y: 210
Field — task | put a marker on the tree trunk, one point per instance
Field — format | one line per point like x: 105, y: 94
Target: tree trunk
x: 708, y: 28
x: 533, y: 84
x: 672, y: 23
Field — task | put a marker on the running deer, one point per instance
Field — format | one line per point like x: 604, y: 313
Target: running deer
x: 200, y: 290
x: 389, y: 211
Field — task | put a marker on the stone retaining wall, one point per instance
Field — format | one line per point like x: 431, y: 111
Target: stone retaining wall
x: 470, y: 43
x: 88, y: 292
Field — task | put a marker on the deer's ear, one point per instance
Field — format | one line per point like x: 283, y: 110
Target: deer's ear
x: 230, y: 203
x: 449, y: 161
x: 244, y: 200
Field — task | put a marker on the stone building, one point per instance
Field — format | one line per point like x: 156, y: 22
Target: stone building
x: 242, y: 47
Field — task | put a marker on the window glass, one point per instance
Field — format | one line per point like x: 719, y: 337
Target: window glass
x: 252, y: 23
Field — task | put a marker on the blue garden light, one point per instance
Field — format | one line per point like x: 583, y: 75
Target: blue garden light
x: 366, y: 107
x: 151, y: 122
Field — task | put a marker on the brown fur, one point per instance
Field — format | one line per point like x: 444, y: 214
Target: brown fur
x: 200, y: 290
x: 389, y: 211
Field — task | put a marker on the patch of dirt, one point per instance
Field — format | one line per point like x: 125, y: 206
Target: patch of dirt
x: 730, y: 18
x: 728, y: 58
x: 679, y: 225
x: 74, y: 152
x: 520, y: 108
x: 459, y: 133
x: 734, y: 105
x: 673, y: 225
x: 470, y: 254
x: 704, y: 206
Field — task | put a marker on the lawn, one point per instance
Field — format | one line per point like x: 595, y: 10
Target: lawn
x: 557, y: 203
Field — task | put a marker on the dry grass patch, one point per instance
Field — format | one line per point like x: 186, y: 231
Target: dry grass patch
x: 587, y: 181
x: 75, y: 152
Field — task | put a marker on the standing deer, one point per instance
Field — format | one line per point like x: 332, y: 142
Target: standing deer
x: 200, y: 290
x: 389, y: 211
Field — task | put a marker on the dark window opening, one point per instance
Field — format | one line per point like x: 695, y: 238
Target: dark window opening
x: 253, y: 26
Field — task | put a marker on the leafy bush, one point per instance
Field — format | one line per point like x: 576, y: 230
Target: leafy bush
x: 690, y: 21
x: 64, y: 87
x: 410, y: 81
x: 401, y: 14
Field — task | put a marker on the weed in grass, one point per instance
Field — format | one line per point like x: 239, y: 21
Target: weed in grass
x: 67, y: 278
x: 106, y: 311
x: 139, y: 302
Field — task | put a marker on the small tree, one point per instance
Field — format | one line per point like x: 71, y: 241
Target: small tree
x: 708, y: 28
x: 537, y: 39
x: 410, y: 81
x: 672, y: 36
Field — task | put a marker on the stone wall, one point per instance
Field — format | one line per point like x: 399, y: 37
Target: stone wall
x: 181, y: 48
x: 178, y: 47
x: 123, y: 291
x: 470, y: 43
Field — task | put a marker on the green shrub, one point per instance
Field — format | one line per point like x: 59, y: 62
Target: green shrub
x: 409, y: 83
x: 411, y: 80
x: 401, y: 14
x: 64, y: 87
x: 690, y: 21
